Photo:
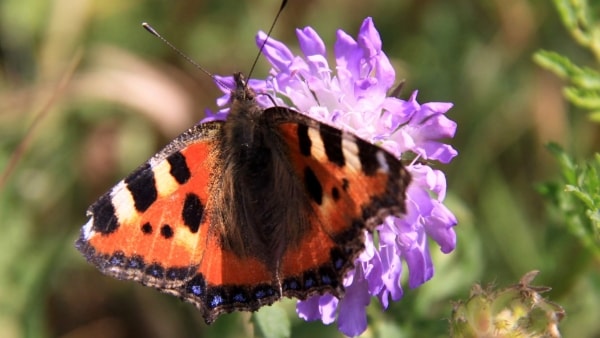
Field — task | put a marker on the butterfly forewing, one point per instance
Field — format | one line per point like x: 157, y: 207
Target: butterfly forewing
x: 150, y: 221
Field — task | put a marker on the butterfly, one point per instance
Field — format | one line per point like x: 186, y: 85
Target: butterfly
x: 236, y: 214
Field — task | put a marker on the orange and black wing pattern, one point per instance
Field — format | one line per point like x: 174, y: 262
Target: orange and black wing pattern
x: 351, y: 185
x: 153, y: 227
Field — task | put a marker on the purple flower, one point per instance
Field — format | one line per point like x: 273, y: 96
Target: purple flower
x: 354, y: 96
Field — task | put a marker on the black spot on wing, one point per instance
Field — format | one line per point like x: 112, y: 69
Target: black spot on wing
x: 193, y: 212
x: 335, y: 193
x: 166, y: 231
x: 367, y: 154
x: 332, y: 141
x: 179, y: 169
x: 313, y: 186
x: 147, y: 228
x: 105, y: 220
x: 345, y: 184
x: 142, y: 186
x: 304, y: 140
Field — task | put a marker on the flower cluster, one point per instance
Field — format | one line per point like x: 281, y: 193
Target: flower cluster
x: 355, y: 98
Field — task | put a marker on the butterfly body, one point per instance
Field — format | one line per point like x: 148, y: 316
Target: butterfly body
x: 263, y: 208
x: 235, y: 214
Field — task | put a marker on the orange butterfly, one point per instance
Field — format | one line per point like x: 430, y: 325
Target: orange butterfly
x: 235, y: 214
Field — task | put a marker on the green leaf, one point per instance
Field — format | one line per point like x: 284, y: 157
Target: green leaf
x: 556, y: 63
x: 587, y: 78
x: 584, y: 89
x: 583, y: 98
x: 579, y: 198
x: 576, y: 18
x: 567, y: 12
x: 564, y: 68
x: 568, y: 167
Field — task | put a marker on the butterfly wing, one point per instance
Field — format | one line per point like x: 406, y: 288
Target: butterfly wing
x: 351, y: 184
x: 153, y: 227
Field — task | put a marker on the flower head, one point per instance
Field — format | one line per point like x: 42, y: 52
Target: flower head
x: 353, y: 96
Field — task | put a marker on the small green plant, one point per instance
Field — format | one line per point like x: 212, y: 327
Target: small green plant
x: 577, y: 194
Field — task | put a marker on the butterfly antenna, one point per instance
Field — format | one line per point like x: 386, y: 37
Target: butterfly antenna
x: 154, y: 32
x: 260, y: 50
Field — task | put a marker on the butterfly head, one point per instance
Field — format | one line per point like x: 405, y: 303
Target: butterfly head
x: 243, y: 100
x: 241, y: 92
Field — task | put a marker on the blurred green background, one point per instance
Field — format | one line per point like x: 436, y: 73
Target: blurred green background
x: 100, y: 95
